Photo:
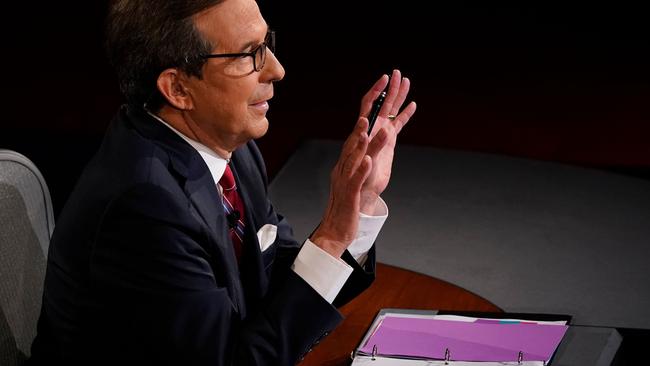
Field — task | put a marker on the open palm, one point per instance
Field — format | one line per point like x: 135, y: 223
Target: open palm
x: 390, y: 121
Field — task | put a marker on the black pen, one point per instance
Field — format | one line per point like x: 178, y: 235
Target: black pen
x: 374, y: 111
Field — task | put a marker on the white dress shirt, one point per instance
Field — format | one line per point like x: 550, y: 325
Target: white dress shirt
x: 323, y: 272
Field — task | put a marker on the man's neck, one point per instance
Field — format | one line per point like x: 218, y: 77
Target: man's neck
x: 178, y: 120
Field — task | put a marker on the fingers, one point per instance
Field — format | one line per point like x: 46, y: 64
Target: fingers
x: 353, y: 138
x: 377, y: 143
x: 372, y: 94
x: 401, y: 96
x: 351, y: 162
x: 395, y: 99
x: 354, y: 149
x: 393, y: 92
x: 404, y: 117
x: 398, y: 90
x: 362, y: 173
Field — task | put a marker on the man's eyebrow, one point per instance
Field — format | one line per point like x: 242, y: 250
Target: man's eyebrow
x: 254, y: 43
x: 249, y: 45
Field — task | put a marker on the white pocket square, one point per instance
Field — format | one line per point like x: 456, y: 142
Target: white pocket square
x: 266, y: 236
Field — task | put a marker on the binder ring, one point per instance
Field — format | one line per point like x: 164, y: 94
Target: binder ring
x: 447, y: 356
x: 520, y: 358
x: 374, y: 351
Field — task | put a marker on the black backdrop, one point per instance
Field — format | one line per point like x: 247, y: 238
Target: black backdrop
x: 559, y: 81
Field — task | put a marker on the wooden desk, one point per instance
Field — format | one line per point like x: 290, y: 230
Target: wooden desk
x: 393, y: 288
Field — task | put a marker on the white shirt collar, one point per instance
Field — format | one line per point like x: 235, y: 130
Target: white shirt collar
x: 216, y: 164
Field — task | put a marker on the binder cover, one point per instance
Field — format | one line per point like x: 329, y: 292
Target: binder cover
x: 430, y: 337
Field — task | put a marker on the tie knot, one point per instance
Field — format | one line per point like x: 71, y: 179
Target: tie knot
x: 227, y: 181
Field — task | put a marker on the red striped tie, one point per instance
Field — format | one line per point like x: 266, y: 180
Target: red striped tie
x: 233, y: 206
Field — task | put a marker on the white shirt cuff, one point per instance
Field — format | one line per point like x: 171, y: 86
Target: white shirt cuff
x: 327, y: 274
x: 369, y: 227
x: 321, y: 271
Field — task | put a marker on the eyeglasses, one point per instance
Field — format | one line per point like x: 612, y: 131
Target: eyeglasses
x: 258, y: 54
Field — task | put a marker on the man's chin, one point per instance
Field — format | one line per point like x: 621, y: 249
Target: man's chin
x: 260, y: 128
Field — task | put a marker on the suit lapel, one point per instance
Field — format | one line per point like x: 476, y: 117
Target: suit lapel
x: 205, y: 200
x: 204, y: 197
x: 198, y: 185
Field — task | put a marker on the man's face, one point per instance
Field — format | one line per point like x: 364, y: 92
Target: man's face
x: 231, y: 100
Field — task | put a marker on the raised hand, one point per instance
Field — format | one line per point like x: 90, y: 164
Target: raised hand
x: 364, y: 167
x: 338, y: 228
x: 390, y: 121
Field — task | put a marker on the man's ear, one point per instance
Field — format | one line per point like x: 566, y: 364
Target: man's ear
x: 171, y: 84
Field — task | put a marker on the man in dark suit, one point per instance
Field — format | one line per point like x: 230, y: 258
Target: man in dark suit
x: 156, y: 258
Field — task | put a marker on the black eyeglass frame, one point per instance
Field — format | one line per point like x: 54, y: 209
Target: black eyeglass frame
x: 269, y: 42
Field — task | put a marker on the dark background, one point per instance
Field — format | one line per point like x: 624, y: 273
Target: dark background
x: 557, y: 81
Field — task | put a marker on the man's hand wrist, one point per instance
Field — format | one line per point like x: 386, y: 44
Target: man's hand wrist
x: 368, y: 204
x: 332, y: 247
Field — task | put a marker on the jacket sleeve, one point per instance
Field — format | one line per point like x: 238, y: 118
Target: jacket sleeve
x: 362, y: 276
x: 360, y: 279
x: 164, y: 298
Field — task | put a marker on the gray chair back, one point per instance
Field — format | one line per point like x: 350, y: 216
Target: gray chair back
x: 26, y: 224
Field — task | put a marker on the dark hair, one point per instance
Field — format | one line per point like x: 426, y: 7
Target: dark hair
x: 145, y: 37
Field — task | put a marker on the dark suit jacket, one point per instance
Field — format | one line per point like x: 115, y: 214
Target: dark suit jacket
x: 141, y: 268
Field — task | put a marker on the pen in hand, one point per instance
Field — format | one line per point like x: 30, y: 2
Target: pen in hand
x: 374, y: 111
